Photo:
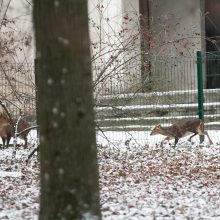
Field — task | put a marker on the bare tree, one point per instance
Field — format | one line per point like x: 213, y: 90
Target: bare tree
x: 69, y: 174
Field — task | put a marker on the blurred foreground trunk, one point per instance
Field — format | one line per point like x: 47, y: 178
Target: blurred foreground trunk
x: 69, y: 170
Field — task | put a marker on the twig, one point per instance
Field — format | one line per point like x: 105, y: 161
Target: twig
x: 4, y: 16
x: 99, y: 128
x: 26, y: 129
x: 32, y: 153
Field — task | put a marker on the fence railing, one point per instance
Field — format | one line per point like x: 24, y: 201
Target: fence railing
x: 168, y: 94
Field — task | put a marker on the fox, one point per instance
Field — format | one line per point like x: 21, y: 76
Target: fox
x: 181, y: 129
x: 22, y: 125
x: 6, y: 131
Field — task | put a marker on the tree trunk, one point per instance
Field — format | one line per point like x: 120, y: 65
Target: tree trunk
x: 69, y: 170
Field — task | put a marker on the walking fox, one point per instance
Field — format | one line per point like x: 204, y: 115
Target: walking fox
x: 7, y: 130
x: 181, y: 129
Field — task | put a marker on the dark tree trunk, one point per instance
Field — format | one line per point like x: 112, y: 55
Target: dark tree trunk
x: 69, y: 170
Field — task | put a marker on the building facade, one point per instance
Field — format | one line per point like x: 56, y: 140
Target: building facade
x: 155, y: 43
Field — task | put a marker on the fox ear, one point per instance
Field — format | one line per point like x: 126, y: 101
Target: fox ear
x: 158, y: 126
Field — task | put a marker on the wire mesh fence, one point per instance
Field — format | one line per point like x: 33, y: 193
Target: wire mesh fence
x: 128, y: 104
x: 213, y: 70
x: 17, y: 89
x: 167, y: 95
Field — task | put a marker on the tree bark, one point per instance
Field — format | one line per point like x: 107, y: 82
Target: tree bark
x: 69, y: 170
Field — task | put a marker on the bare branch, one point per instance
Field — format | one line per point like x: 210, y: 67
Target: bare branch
x: 27, y: 129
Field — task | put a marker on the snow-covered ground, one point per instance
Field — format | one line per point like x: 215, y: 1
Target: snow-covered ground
x: 19, y: 184
x: 138, y: 179
x: 120, y: 139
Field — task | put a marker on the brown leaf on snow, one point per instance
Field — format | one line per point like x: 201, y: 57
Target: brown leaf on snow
x: 24, y: 205
x: 213, y: 169
x: 4, y: 217
x: 181, y: 210
x: 121, y: 173
x: 115, y: 213
x: 137, y: 181
x: 8, y: 168
x: 105, y: 209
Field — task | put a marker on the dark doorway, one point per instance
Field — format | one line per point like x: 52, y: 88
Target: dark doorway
x: 212, y: 33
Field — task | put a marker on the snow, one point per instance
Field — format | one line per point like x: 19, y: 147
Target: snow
x: 32, y: 137
x: 19, y: 186
x: 140, y: 138
x: 10, y: 174
x: 151, y: 106
x: 157, y: 118
x: 138, y: 179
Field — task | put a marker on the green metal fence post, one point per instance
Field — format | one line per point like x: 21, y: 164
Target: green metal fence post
x: 200, y: 88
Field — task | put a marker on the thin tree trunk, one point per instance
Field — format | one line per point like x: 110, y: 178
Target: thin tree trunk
x: 69, y: 171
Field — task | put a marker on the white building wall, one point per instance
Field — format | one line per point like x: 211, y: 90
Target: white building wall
x: 113, y: 24
x: 179, y: 25
x: 177, y: 29
x: 131, y: 40
x: 19, y: 11
x: 115, y: 56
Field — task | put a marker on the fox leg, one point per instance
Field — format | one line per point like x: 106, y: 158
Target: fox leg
x: 3, y: 142
x: 8, y: 141
x: 25, y: 144
x: 203, y: 132
x: 176, y: 141
x: 192, y: 137
x: 165, y: 139
x: 206, y: 133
